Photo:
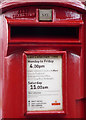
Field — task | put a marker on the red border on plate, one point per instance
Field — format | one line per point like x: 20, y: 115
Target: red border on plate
x: 64, y: 81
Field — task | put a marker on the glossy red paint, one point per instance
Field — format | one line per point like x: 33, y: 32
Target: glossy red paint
x: 75, y: 4
x: 12, y: 70
x: 1, y: 69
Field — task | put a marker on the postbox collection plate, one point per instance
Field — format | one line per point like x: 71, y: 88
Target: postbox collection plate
x: 44, y: 83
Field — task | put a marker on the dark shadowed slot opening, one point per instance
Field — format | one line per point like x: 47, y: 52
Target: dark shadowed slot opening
x: 44, y: 32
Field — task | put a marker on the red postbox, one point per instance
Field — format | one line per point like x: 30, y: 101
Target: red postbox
x: 42, y: 65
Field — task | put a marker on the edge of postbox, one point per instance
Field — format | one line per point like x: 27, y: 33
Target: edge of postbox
x: 77, y: 5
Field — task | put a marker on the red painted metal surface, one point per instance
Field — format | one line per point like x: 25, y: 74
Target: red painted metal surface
x: 76, y: 4
x: 12, y: 49
x: 1, y: 69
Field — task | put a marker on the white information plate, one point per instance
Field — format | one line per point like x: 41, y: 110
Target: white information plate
x: 44, y: 83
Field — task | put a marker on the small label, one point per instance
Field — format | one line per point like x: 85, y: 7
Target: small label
x: 45, y: 15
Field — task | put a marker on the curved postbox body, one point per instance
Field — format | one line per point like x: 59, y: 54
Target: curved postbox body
x: 42, y: 59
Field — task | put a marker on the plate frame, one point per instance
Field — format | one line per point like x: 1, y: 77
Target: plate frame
x: 64, y: 82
